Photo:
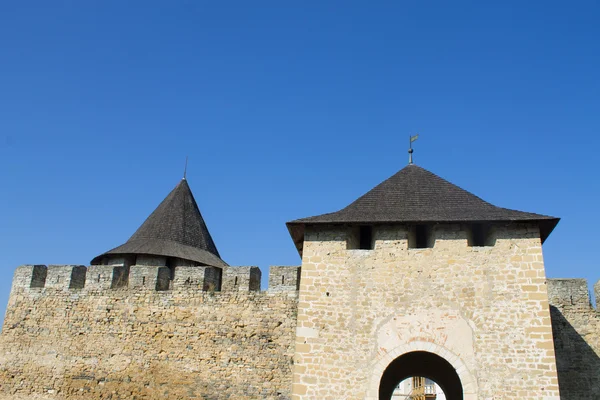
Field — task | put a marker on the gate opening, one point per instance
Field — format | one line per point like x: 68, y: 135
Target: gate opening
x: 418, y: 388
x: 421, y: 364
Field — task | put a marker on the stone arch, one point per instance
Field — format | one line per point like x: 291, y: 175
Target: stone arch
x: 467, y: 380
x: 425, y: 364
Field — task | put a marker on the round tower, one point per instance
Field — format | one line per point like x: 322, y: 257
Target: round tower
x: 175, y: 234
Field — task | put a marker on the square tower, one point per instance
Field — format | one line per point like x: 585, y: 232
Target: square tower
x: 419, y: 277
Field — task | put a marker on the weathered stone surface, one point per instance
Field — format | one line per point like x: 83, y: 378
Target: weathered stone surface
x: 284, y: 278
x: 241, y: 278
x: 576, y: 330
x: 162, y: 332
x: 483, y: 309
x: 139, y: 343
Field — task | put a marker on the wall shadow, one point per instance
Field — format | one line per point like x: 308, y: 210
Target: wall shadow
x: 577, y: 364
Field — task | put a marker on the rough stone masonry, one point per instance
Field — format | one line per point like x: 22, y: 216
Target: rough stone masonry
x: 416, y: 277
x: 136, y: 342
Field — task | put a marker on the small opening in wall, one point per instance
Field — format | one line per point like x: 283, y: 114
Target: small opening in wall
x: 120, y: 277
x: 38, y: 276
x: 479, y: 236
x: 282, y: 279
x: 77, y: 280
x: 163, y: 279
x: 171, y: 263
x: 298, y: 274
x: 218, y: 278
x: 143, y: 280
x: 360, y: 238
x: 420, y: 237
x: 365, y: 237
x: 130, y: 260
x: 235, y: 281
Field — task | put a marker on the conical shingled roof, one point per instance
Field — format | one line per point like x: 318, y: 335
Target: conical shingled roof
x: 175, y: 229
x: 415, y: 195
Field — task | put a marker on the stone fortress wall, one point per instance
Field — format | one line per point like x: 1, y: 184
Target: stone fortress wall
x: 484, y: 309
x: 576, y: 331
x: 147, y: 332
x: 144, y: 332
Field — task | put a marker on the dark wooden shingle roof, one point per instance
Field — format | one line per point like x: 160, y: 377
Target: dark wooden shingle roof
x: 175, y: 229
x: 415, y: 195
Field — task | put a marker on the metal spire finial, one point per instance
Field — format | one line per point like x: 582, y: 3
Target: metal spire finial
x: 410, y: 149
x: 185, y: 169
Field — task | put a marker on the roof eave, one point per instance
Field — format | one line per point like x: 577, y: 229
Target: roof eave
x: 178, y: 250
x: 296, y: 230
x: 546, y: 227
x: 297, y: 227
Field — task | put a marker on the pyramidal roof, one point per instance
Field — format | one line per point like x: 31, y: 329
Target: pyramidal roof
x: 175, y: 229
x: 415, y: 195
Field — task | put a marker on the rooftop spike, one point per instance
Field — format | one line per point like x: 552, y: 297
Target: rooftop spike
x: 410, y: 149
x: 185, y: 168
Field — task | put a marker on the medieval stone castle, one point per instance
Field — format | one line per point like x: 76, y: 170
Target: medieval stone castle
x: 417, y: 277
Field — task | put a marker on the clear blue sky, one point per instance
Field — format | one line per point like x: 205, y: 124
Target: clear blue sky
x: 289, y: 109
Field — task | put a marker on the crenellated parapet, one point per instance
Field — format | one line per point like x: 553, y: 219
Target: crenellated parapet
x: 571, y: 293
x: 576, y: 335
x: 241, y: 279
x: 284, y: 278
x: 154, y: 278
x: 29, y: 276
x: 146, y: 332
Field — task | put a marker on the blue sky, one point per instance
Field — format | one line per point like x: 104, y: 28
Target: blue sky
x: 289, y: 109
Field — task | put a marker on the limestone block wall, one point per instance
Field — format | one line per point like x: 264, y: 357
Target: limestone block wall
x: 576, y: 330
x: 151, y: 260
x: 77, y: 332
x: 145, y: 259
x: 100, y: 341
x: 483, y: 309
x: 201, y: 278
x: 284, y: 278
x: 29, y: 276
x: 143, y: 276
x: 65, y: 276
x: 241, y: 278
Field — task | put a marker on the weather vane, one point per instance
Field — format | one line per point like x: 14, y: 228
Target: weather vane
x: 410, y: 149
x: 185, y: 168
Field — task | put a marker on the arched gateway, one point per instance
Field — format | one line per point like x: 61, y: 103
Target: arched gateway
x: 425, y: 364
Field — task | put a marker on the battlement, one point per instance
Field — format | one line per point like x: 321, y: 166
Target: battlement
x: 284, y: 278
x: 241, y: 279
x: 152, y: 332
x: 571, y: 293
x: 148, y: 277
